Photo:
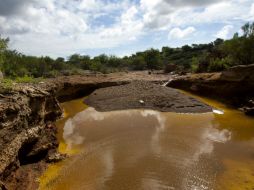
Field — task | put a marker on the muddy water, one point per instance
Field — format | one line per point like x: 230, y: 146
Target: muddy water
x: 145, y: 149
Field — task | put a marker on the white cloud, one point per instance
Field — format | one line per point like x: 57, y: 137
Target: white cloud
x: 224, y: 32
x: 165, y: 14
x: 252, y: 10
x: 178, y: 33
x: 129, y: 27
x: 59, y: 28
x: 90, y: 5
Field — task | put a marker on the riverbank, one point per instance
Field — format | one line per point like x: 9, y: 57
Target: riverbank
x: 233, y: 87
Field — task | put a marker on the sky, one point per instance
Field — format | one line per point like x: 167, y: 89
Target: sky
x: 59, y: 28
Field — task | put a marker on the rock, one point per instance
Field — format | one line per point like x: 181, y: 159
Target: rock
x: 56, y: 157
x: 249, y: 111
x: 2, y: 186
x: 141, y: 101
x: 24, y: 113
x: 239, y: 73
x: 234, y: 86
x: 251, y: 103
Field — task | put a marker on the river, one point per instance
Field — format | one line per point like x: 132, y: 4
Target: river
x: 146, y: 149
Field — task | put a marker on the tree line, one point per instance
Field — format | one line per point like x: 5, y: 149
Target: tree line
x: 211, y: 57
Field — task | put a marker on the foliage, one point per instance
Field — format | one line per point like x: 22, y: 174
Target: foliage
x: 219, y: 64
x: 241, y: 49
x: 6, y: 85
x: 27, y: 79
x: 3, y: 47
x: 138, y: 63
x: 194, y: 64
x: 153, y: 59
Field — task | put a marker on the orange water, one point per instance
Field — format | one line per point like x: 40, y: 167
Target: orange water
x: 145, y: 149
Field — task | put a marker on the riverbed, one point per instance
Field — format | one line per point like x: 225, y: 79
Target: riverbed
x: 146, y: 149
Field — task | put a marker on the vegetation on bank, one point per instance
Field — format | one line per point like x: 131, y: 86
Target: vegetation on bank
x: 211, y: 57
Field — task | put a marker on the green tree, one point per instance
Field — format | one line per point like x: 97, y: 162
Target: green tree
x: 138, y: 63
x: 3, y: 48
x: 241, y: 49
x: 153, y: 59
x: 103, y: 59
x: 248, y: 29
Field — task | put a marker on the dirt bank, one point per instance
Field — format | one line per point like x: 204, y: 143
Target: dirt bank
x: 144, y: 95
x: 234, y: 86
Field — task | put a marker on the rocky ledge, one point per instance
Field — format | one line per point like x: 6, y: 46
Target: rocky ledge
x: 27, y: 132
x: 234, y: 86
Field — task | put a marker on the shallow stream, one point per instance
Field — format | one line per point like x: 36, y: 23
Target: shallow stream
x: 146, y: 149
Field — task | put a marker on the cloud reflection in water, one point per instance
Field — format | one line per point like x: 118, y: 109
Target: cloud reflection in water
x: 138, y: 136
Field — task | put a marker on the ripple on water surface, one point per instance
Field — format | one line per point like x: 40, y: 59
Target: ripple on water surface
x: 145, y: 149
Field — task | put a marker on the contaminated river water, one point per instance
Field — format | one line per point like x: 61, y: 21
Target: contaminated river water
x: 146, y: 149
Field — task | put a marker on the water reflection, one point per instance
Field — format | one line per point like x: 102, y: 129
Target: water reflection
x: 141, y: 149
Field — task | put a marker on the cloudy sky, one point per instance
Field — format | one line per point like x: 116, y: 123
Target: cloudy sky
x: 120, y: 27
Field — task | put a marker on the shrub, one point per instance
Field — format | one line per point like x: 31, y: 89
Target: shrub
x: 219, y: 64
x: 27, y: 79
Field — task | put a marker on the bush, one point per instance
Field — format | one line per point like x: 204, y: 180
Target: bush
x: 6, y: 85
x: 219, y: 64
x: 138, y: 63
x: 27, y: 79
x: 194, y: 64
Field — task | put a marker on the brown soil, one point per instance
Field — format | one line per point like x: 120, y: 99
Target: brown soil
x: 145, y: 95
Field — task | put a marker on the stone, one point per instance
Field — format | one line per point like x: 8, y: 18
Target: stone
x: 2, y: 186
x: 249, y: 111
x: 56, y: 157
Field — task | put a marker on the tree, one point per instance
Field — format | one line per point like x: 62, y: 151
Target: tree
x: 114, y: 61
x: 59, y: 64
x: 103, y: 59
x: 3, y: 48
x: 218, y: 42
x: 241, y: 49
x: 186, y: 48
x: 138, y: 63
x: 248, y: 29
x: 166, y: 51
x: 75, y: 60
x: 153, y: 59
